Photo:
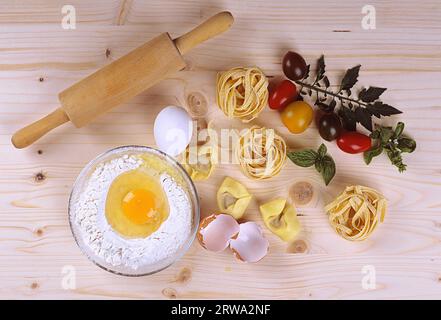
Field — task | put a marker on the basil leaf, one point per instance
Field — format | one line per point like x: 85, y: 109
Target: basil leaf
x: 322, y: 150
x: 304, y: 158
x: 328, y: 171
x: 406, y: 144
x: 370, y: 154
x: 319, y: 165
x: 323, y: 163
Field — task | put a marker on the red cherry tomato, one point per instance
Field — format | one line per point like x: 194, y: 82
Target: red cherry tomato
x: 282, y: 94
x: 354, y: 142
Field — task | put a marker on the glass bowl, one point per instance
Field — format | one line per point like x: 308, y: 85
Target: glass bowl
x: 80, y: 185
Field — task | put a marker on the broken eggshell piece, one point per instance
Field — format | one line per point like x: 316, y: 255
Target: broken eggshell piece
x: 281, y: 218
x: 250, y: 245
x: 233, y: 198
x: 216, y: 231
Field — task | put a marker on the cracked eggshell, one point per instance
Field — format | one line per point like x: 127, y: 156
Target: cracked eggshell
x: 250, y: 245
x: 216, y: 231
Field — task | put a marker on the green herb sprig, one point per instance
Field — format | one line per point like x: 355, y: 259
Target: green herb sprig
x: 393, y: 142
x: 322, y: 161
x: 351, y: 110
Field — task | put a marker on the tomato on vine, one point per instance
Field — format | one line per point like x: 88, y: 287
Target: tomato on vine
x: 329, y: 126
x: 297, y: 116
x: 354, y: 142
x: 282, y: 94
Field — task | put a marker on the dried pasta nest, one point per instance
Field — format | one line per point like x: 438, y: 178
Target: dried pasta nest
x: 261, y: 153
x: 242, y: 92
x: 355, y: 213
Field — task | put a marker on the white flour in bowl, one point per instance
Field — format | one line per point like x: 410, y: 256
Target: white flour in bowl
x: 90, y: 217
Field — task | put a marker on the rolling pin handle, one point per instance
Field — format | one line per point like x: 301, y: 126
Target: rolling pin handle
x: 31, y: 133
x: 215, y: 25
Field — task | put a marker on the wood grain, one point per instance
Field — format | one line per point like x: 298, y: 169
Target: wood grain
x: 38, y: 59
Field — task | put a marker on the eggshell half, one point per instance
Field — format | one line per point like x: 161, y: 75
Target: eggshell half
x: 250, y: 245
x: 216, y: 231
x: 173, y: 130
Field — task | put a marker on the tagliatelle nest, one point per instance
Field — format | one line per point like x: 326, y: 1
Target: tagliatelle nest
x: 355, y: 213
x: 261, y: 153
x: 242, y: 92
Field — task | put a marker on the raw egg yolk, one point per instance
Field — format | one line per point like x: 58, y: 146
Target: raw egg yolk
x: 139, y: 206
x: 136, y: 204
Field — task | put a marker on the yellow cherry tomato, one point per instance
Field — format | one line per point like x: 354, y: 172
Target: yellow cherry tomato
x: 297, y: 116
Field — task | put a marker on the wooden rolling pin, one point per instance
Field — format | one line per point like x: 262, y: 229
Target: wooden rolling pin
x: 122, y: 79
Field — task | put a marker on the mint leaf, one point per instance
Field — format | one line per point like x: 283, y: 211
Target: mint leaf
x: 399, y: 129
x: 396, y: 159
x: 406, y: 144
x: 375, y: 134
x: 393, y: 142
x: 370, y: 154
x: 386, y: 134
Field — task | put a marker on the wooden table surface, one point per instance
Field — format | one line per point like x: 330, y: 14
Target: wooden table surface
x: 38, y: 59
